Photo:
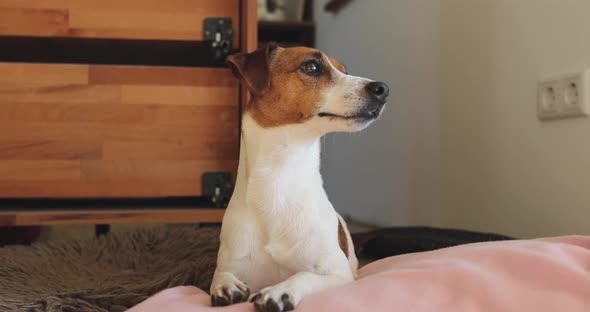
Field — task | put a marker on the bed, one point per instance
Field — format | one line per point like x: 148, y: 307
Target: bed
x: 164, y: 269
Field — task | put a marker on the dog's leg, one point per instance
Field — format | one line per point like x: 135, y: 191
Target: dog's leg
x: 227, y: 289
x: 286, y: 295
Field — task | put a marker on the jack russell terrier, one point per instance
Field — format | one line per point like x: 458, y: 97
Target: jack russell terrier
x: 281, y: 236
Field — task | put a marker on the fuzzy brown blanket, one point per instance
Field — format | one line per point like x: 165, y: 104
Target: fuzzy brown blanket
x: 111, y: 273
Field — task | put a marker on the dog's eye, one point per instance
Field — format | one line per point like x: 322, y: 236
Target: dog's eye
x: 312, y: 68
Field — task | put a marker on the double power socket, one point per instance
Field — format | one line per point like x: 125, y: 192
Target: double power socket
x: 564, y: 96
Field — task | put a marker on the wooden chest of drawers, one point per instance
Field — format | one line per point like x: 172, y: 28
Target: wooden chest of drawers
x: 114, y: 127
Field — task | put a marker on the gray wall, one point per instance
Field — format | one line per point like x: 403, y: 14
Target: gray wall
x: 505, y: 171
x: 389, y: 173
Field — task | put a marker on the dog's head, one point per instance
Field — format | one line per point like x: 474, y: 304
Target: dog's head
x: 305, y: 86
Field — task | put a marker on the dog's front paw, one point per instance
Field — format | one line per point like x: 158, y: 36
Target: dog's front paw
x: 230, y: 293
x: 273, y: 299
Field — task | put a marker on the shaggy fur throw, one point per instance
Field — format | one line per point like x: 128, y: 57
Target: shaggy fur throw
x: 111, y: 273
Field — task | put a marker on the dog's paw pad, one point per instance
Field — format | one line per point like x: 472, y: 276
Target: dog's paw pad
x: 264, y: 301
x: 229, y: 294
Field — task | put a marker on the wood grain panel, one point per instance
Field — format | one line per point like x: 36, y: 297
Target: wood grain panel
x: 154, y: 169
x: 161, y: 76
x: 61, y: 217
x: 43, y: 73
x: 249, y: 40
x: 88, y: 132
x: 171, y: 6
x: 71, y: 112
x: 179, y: 95
x: 98, y: 188
x: 137, y: 115
x: 130, y: 19
x: 249, y: 25
x: 135, y: 24
x: 148, y: 132
x: 200, y: 148
x: 45, y: 150
x: 11, y: 93
x: 15, y: 170
x: 18, y: 21
x: 215, y: 117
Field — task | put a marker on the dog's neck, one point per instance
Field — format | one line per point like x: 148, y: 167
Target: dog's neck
x: 279, y: 166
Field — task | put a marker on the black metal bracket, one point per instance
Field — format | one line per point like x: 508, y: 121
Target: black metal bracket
x: 219, y: 32
x: 217, y: 186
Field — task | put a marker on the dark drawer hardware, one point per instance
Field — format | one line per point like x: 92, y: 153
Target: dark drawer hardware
x: 219, y: 32
x: 217, y: 186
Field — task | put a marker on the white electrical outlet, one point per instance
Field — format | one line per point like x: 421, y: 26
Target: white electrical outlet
x: 564, y: 96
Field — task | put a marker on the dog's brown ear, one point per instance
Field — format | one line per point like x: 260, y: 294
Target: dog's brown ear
x: 253, y: 69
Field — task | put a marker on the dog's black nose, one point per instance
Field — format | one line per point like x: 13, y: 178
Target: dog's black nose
x: 378, y: 90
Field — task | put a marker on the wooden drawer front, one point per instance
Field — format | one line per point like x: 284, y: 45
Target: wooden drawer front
x: 125, y: 19
x: 114, y: 131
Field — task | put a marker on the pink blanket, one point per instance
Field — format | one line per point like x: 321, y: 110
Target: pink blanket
x: 528, y: 275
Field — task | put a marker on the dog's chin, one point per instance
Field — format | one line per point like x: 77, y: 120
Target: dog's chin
x: 352, y: 122
x: 359, y: 124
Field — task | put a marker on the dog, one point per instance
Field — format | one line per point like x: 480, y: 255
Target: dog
x: 281, y: 236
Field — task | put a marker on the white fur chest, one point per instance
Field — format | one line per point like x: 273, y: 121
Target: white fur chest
x: 279, y: 207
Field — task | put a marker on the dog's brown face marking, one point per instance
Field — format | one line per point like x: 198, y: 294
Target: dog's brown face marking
x: 290, y: 87
x: 342, y: 240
